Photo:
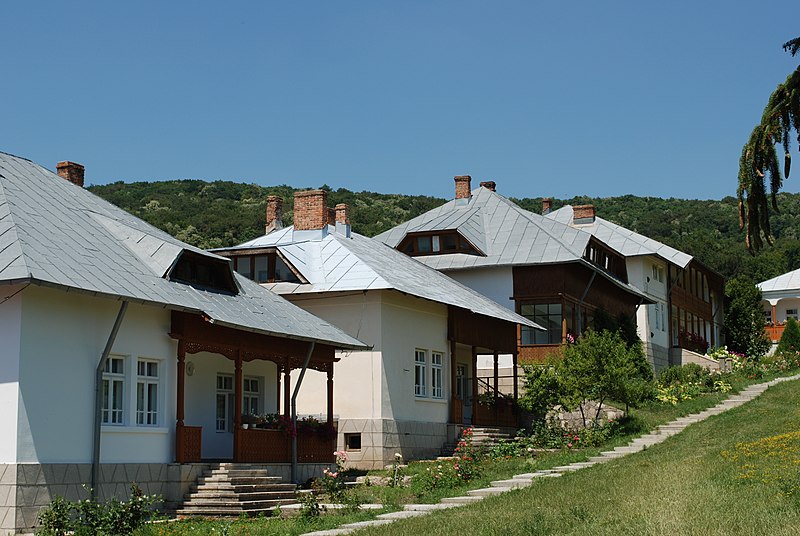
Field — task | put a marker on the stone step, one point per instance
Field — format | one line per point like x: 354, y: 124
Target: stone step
x: 461, y: 500
x: 242, y: 505
x: 512, y: 483
x: 243, y: 481
x: 485, y: 492
x: 249, y: 496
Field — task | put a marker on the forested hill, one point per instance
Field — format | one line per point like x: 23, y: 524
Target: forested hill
x: 222, y: 213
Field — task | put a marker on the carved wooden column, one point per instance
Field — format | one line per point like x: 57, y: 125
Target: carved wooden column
x: 278, y: 389
x: 180, y: 404
x: 287, y: 389
x: 454, y: 418
x: 474, y: 383
x: 237, y: 405
x: 330, y: 395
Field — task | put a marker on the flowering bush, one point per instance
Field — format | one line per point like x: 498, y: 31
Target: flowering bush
x: 693, y: 341
x: 332, y: 482
x: 441, y: 475
x: 551, y: 435
x: 466, y: 466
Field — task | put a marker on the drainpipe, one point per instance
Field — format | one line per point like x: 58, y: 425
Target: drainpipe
x: 583, y: 297
x: 294, y: 411
x: 98, y: 398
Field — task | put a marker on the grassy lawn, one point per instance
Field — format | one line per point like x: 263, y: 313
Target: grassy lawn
x: 696, y: 483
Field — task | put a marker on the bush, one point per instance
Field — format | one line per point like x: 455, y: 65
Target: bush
x: 744, y: 319
x: 89, y: 517
x: 790, y: 340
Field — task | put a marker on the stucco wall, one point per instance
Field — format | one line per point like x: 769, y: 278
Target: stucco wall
x: 496, y: 283
x: 10, y: 326
x: 63, y: 336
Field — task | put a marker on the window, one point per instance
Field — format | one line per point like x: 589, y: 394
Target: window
x: 114, y: 391
x: 147, y: 392
x: 437, y: 375
x: 791, y: 313
x: 768, y: 316
x: 224, y: 403
x: 461, y: 381
x: 547, y: 315
x: 436, y: 243
x: 658, y: 273
x: 420, y: 371
x: 352, y: 441
x: 251, y: 396
x: 264, y: 267
x: 206, y: 272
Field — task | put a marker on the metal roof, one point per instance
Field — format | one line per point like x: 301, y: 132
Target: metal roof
x: 627, y: 242
x: 512, y: 236
x: 787, y: 281
x: 333, y: 262
x: 54, y: 233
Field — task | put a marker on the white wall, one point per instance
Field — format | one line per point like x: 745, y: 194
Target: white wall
x: 496, y: 282
x: 63, y: 336
x: 640, y: 275
x: 10, y: 330
x: 357, y: 383
x: 410, y: 323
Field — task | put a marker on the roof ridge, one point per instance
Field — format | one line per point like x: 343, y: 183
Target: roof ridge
x: 13, y: 229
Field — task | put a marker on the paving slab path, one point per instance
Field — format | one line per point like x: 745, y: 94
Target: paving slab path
x: 497, y: 487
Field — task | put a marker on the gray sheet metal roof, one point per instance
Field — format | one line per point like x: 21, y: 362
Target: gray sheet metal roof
x: 512, y: 236
x: 335, y: 263
x: 54, y: 233
x: 627, y: 242
x: 784, y: 282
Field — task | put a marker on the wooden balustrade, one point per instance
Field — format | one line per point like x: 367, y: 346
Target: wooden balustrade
x: 501, y: 414
x: 258, y: 445
x: 188, y: 443
x: 774, y: 332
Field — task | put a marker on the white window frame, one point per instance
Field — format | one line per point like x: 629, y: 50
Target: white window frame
x: 420, y: 373
x: 146, y: 414
x: 658, y: 273
x: 437, y: 374
x: 114, y: 383
x: 252, y: 398
x: 224, y: 393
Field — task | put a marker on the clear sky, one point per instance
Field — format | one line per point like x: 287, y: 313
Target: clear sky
x: 546, y: 98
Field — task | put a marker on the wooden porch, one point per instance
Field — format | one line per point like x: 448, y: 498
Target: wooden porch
x: 253, y: 445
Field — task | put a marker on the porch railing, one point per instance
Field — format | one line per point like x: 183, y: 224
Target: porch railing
x: 257, y: 445
x: 774, y: 332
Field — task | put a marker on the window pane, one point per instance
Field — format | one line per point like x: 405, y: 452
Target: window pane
x: 243, y: 266
x: 423, y: 244
x: 262, y: 274
x: 435, y: 242
x: 449, y: 242
x: 283, y: 272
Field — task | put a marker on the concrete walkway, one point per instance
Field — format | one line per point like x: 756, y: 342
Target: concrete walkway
x: 527, y: 479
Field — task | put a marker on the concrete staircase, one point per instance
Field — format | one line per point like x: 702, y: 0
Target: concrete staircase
x: 482, y: 437
x: 233, y: 489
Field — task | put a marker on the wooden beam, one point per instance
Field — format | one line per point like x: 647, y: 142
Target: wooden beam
x: 330, y: 396
x: 237, y: 405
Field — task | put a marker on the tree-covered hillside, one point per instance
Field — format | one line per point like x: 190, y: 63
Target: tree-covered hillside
x: 222, y: 213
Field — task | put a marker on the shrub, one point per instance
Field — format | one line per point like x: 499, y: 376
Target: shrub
x: 790, y: 339
x: 744, y: 318
x: 89, y: 517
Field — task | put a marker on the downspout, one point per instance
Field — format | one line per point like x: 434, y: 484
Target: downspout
x: 583, y: 297
x: 294, y: 410
x: 98, y: 398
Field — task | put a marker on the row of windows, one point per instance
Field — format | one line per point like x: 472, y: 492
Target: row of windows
x: 147, y: 386
x: 428, y: 374
x: 264, y: 268
x: 550, y: 317
x: 432, y: 244
x: 252, y: 400
x: 658, y: 317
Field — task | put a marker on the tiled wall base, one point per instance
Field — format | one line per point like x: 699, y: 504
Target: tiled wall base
x: 381, y: 439
x: 658, y: 356
x: 25, y: 488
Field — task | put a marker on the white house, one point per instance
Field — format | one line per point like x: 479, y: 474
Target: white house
x: 781, y: 301
x: 688, y: 297
x: 407, y: 393
x: 124, y: 351
x: 545, y: 270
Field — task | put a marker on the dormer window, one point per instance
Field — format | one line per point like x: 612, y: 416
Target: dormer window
x: 438, y: 243
x: 263, y: 266
x: 204, y: 272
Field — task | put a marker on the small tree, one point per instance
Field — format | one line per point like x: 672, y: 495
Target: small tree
x: 542, y: 390
x: 601, y: 366
x: 790, y: 340
x: 744, y: 318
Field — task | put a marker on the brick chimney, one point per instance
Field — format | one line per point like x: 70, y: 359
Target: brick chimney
x: 463, y: 189
x: 311, y: 211
x: 489, y: 185
x: 583, y: 214
x: 547, y: 205
x: 343, y: 219
x: 71, y: 171
x: 274, y: 213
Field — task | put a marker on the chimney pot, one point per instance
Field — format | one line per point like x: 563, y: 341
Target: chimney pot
x: 463, y: 188
x: 343, y: 219
x: 71, y: 171
x: 583, y: 214
x: 547, y: 205
x: 310, y: 210
x: 274, y: 213
x: 489, y: 185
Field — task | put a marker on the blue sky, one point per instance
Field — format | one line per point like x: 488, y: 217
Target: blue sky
x: 546, y: 98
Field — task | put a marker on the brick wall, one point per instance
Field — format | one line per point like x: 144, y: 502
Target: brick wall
x: 310, y: 210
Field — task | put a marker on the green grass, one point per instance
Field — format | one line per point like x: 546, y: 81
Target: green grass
x: 684, y: 486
